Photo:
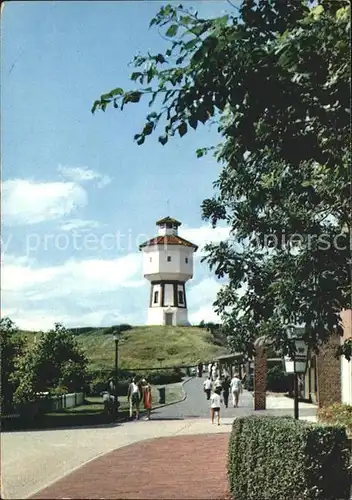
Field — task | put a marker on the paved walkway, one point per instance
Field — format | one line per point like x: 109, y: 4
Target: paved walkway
x: 33, y: 460
x: 163, y: 468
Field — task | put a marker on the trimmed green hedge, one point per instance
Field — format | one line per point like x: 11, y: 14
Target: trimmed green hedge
x: 337, y: 414
x: 100, y: 381
x: 279, y: 458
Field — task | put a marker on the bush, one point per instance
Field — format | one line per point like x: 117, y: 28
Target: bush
x: 278, y: 380
x: 162, y: 377
x: 99, y: 385
x: 337, y: 413
x: 281, y: 458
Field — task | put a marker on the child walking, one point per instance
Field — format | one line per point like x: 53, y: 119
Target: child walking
x: 215, y: 403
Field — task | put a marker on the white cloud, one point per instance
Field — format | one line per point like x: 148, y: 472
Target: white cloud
x: 81, y: 174
x: 78, y: 224
x: 201, y: 297
x: 72, y: 277
x: 204, y: 313
x: 97, y: 292
x: 200, y: 236
x: 79, y: 292
x: 28, y: 202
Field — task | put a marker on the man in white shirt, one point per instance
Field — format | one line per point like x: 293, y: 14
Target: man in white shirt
x: 215, y: 404
x: 133, y: 397
x: 207, y: 387
x: 236, y: 389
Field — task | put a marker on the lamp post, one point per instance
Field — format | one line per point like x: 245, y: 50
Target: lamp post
x: 160, y: 361
x: 298, y: 363
x: 116, y: 338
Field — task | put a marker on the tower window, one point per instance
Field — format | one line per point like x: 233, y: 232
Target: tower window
x: 168, y: 225
x: 168, y: 258
x: 150, y: 259
x: 156, y: 297
x: 186, y: 260
x: 180, y: 297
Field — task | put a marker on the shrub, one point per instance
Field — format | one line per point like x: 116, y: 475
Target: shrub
x: 337, y: 413
x: 278, y: 380
x: 101, y: 384
x: 162, y: 377
x: 281, y: 458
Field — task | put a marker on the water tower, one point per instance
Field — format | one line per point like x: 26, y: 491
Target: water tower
x: 168, y: 265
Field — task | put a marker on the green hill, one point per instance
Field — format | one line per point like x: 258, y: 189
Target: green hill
x: 142, y: 346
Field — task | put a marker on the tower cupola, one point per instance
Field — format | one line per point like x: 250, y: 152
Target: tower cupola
x: 168, y: 226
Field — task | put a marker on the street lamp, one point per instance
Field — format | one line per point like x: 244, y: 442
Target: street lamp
x: 160, y: 361
x: 298, y: 363
x: 116, y: 338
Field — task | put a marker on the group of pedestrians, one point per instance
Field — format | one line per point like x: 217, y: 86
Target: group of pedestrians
x: 138, y: 393
x: 217, y: 392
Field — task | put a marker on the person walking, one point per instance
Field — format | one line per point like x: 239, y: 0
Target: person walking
x: 218, y: 383
x: 147, y: 397
x: 236, y: 389
x: 208, y: 385
x: 226, y: 390
x: 133, y: 397
x: 215, y: 404
x: 213, y: 372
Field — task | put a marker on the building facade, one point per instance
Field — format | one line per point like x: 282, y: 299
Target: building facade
x: 328, y: 378
x: 168, y: 265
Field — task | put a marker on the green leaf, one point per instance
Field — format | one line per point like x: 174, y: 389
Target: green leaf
x: 134, y: 97
x: 135, y: 75
x: 95, y: 106
x: 148, y: 128
x: 141, y: 140
x: 182, y: 129
x: 192, y: 43
x: 163, y: 139
x: 193, y: 122
x: 172, y: 31
x: 117, y: 91
x: 160, y: 58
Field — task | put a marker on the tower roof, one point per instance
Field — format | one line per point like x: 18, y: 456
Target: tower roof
x: 169, y: 220
x: 170, y: 239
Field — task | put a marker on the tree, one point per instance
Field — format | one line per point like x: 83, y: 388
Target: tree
x: 11, y: 349
x: 55, y: 362
x: 275, y: 77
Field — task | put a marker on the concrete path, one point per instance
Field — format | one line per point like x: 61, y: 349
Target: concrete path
x: 196, y: 405
x: 32, y: 460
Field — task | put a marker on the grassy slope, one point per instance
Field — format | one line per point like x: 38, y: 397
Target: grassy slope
x: 142, y: 346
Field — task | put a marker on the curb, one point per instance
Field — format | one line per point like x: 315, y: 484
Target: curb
x: 179, y: 400
x: 119, y: 421
x: 112, y: 424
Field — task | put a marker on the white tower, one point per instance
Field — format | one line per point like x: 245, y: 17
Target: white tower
x: 168, y: 264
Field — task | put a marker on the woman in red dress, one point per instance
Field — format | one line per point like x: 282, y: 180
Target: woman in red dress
x: 147, y: 397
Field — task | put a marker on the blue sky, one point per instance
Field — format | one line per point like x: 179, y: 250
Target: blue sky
x: 67, y: 172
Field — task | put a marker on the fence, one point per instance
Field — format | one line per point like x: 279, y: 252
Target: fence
x: 66, y: 401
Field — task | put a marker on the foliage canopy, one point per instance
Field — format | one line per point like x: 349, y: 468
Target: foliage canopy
x: 275, y: 77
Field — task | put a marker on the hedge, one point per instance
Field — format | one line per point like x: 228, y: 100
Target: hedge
x: 337, y: 414
x: 277, y: 458
x: 100, y: 381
